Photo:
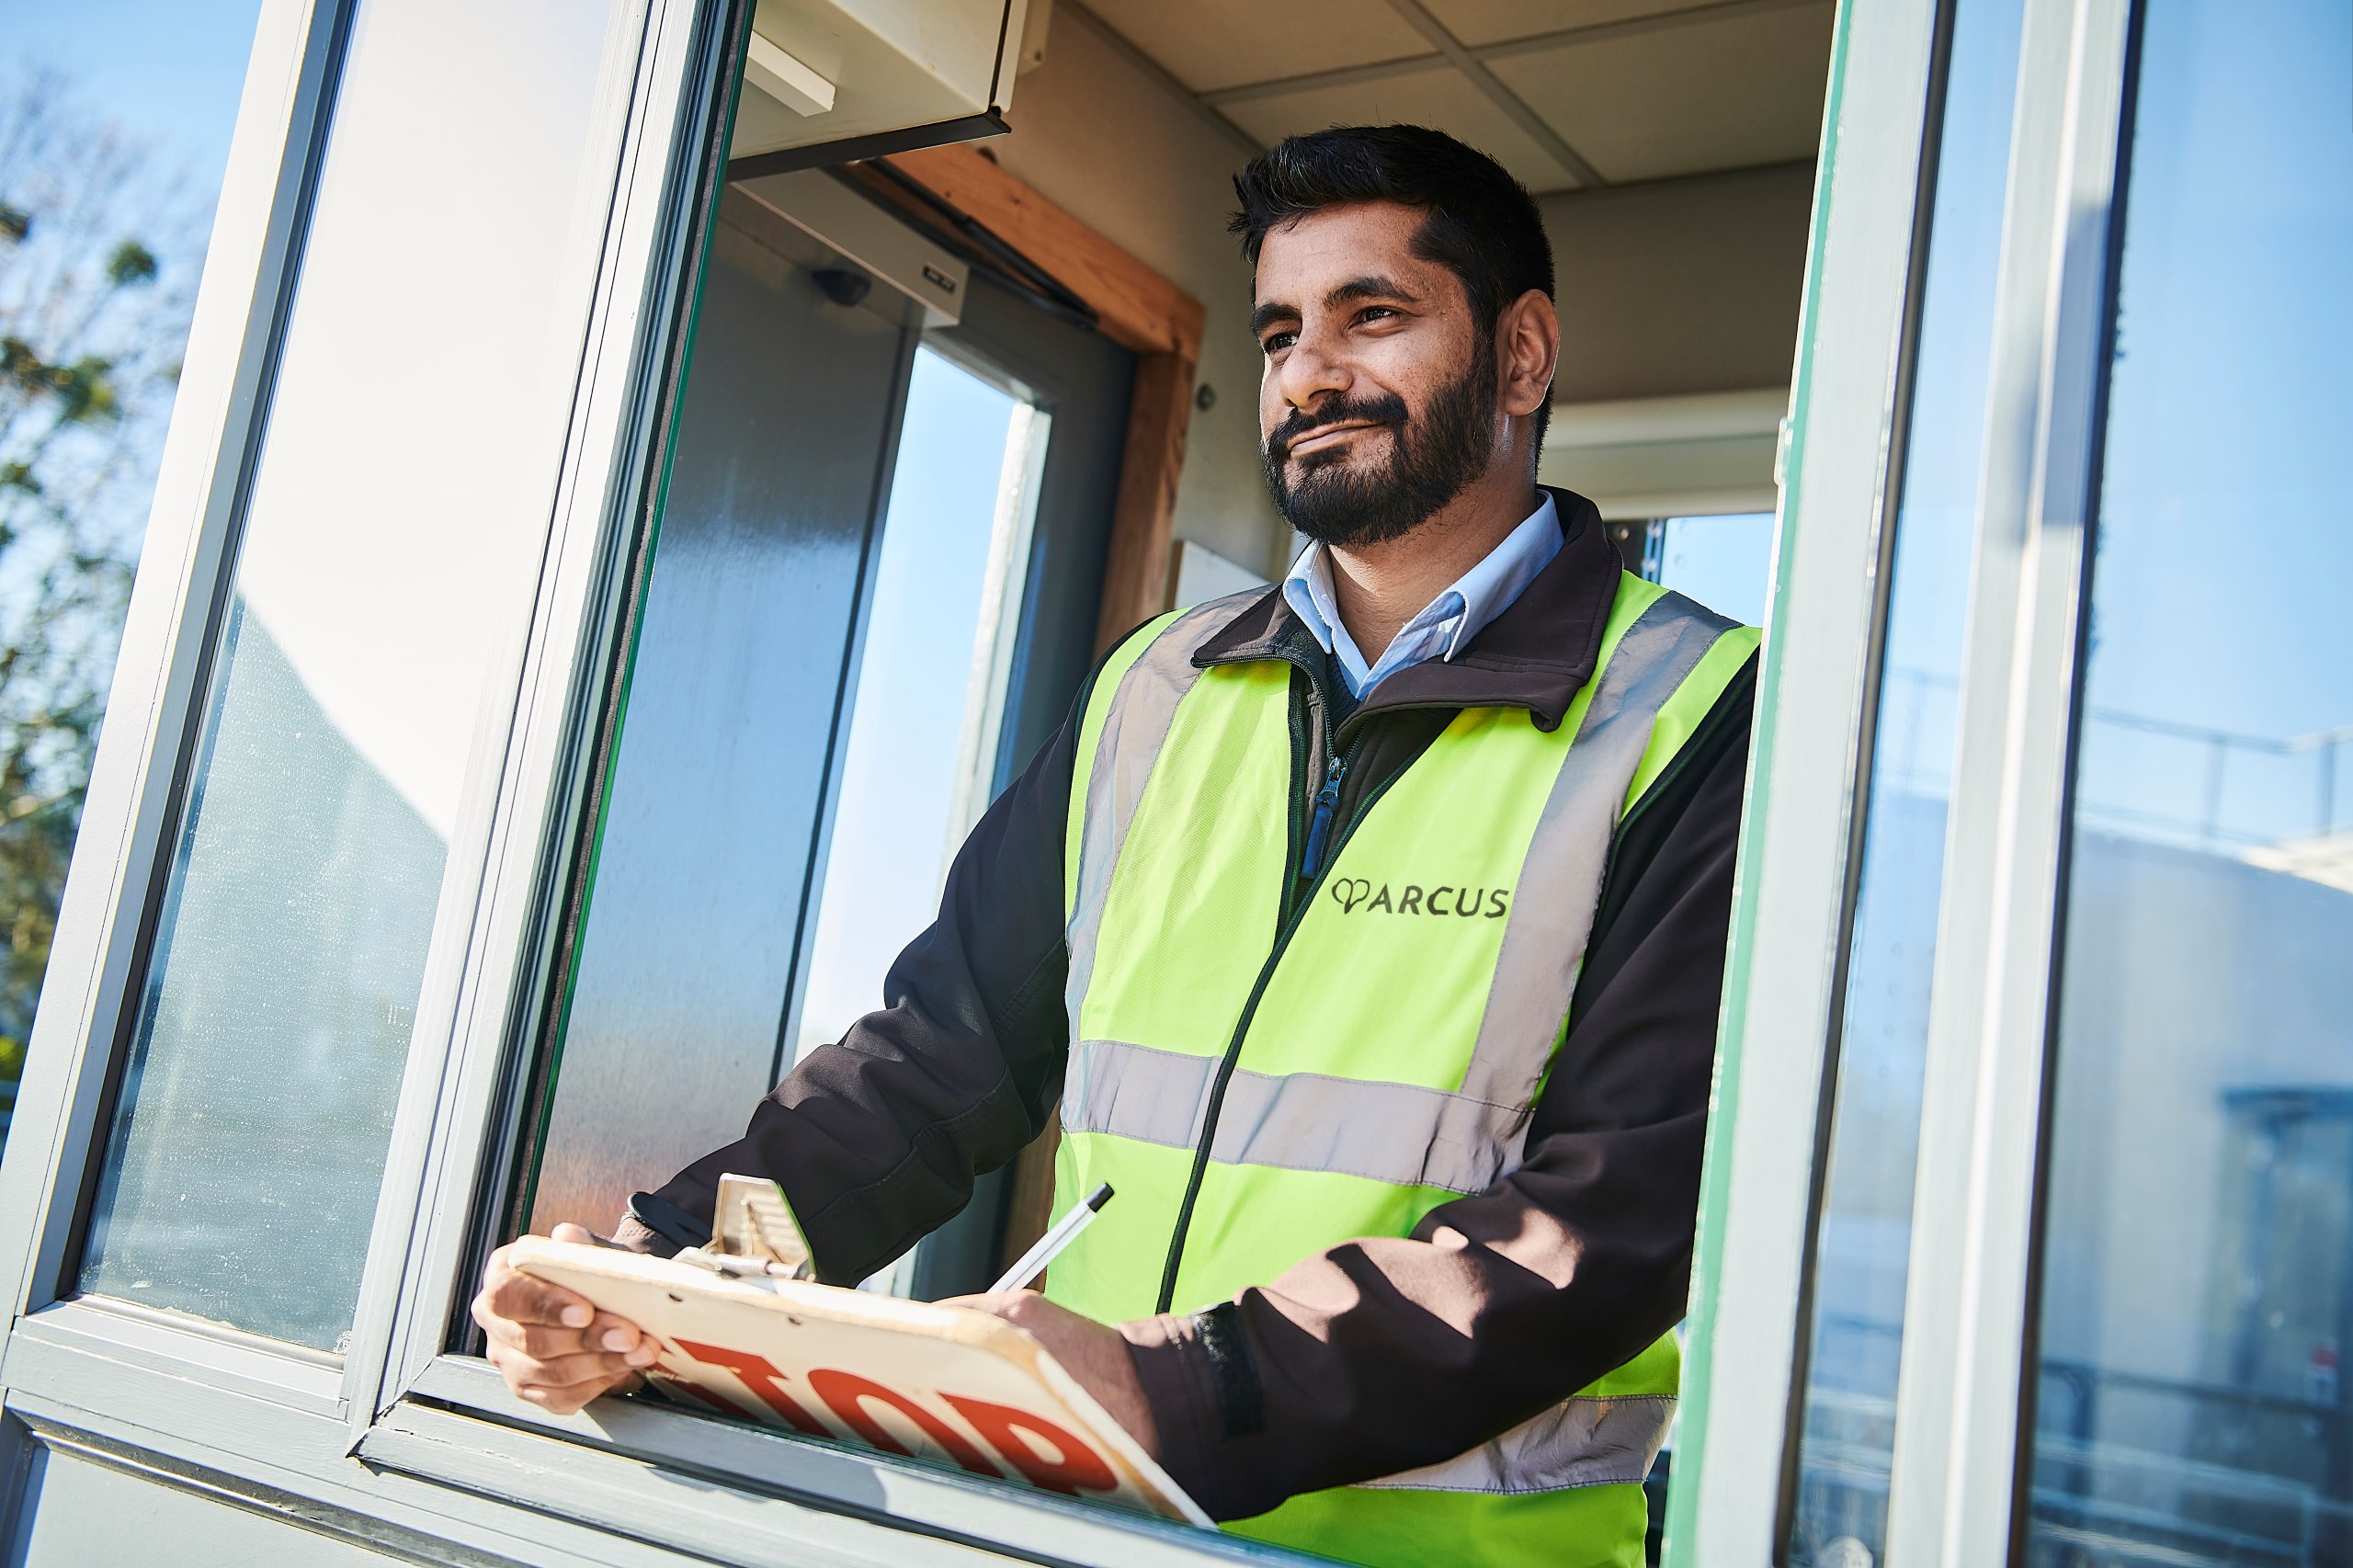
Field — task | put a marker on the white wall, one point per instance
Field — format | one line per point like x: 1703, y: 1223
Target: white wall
x: 1110, y: 143
x: 1681, y: 287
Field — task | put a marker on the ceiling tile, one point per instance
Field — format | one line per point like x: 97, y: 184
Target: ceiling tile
x: 1209, y: 44
x: 1722, y: 94
x: 1475, y: 22
x: 1441, y: 99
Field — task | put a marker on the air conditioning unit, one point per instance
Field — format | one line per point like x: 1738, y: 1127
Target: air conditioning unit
x: 863, y: 77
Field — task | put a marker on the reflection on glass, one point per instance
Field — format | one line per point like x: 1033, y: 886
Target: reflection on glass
x: 939, y: 645
x: 2198, y: 1244
x: 1865, y: 1241
x: 114, y: 129
x: 386, y: 557
x: 932, y: 667
x: 1724, y: 563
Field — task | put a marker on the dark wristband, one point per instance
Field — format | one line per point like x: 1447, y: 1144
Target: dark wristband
x: 1241, y: 1400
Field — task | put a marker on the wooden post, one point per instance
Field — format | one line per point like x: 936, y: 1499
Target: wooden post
x: 1135, y: 580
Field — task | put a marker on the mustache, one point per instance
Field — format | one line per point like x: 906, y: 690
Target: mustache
x: 1387, y: 408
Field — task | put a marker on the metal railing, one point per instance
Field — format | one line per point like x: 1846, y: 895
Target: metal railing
x: 1912, y: 696
x: 2095, y: 1502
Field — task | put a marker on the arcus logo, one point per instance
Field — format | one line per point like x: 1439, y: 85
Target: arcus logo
x: 1352, y: 893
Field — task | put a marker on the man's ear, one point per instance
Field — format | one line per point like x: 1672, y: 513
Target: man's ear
x: 1528, y: 350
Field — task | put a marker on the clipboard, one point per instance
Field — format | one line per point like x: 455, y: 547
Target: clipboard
x: 942, y: 1383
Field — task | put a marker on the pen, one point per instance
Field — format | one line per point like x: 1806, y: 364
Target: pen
x: 1034, y: 1261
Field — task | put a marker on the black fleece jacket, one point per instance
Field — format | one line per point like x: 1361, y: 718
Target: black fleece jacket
x: 1385, y: 1354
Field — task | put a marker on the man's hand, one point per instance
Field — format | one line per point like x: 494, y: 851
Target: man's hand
x: 550, y: 1344
x: 1094, y: 1353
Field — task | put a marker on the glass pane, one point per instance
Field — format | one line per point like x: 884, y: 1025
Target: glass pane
x: 1865, y: 1241
x: 940, y: 602
x: 2198, y: 1247
x: 388, y: 556
x: 730, y: 728
x: 111, y: 149
x: 1724, y: 563
x: 943, y: 608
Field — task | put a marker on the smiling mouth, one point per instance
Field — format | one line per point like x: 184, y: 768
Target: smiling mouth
x: 1327, y: 437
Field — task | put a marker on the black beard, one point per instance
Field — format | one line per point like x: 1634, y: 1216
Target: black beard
x: 1432, y: 460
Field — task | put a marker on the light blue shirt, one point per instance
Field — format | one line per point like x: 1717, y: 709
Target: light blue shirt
x: 1448, y: 623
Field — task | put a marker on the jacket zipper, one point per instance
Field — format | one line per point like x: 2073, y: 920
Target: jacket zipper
x: 1311, y: 873
x: 1327, y: 799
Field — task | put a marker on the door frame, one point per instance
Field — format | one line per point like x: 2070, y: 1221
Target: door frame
x: 1140, y: 311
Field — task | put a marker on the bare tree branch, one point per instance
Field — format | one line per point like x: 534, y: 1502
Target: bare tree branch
x: 100, y: 245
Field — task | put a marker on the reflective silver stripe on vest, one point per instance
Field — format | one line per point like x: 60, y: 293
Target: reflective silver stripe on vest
x: 1134, y: 725
x: 1398, y: 1133
x: 1579, y: 1442
x: 1559, y: 892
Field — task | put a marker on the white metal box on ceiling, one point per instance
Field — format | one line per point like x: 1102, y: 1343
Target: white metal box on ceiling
x: 820, y: 72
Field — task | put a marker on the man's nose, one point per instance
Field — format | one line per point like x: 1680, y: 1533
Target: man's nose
x: 1309, y: 374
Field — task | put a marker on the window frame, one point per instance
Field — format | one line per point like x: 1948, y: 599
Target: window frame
x: 1801, y: 834
x: 1963, y: 1402
x: 1962, y: 1396
x: 97, y: 1361
x: 154, y: 709
x: 447, y: 1417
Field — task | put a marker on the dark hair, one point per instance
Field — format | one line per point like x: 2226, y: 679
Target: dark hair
x: 1482, y: 224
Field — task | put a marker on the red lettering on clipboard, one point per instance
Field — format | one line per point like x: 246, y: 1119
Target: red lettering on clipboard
x: 1019, y: 1436
x: 761, y: 1377
x: 845, y: 1393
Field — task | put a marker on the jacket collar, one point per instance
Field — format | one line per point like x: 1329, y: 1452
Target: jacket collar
x: 1537, y: 654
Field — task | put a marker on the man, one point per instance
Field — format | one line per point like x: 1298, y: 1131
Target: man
x: 1369, y: 931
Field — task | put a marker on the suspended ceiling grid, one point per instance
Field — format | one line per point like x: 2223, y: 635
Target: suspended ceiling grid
x: 1569, y: 95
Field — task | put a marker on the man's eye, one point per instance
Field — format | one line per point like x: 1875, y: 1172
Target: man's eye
x: 1274, y: 342
x: 1375, y: 312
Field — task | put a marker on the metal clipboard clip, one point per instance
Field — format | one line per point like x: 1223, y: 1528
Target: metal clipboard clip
x: 753, y: 1234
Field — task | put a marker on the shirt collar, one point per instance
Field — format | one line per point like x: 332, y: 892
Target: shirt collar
x: 1446, y: 625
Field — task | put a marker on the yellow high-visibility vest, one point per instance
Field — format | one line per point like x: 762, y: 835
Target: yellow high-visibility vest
x: 1260, y: 1088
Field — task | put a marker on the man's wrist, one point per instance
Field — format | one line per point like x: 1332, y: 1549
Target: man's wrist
x: 638, y: 1236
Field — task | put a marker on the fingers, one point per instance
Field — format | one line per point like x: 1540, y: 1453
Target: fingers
x: 998, y: 1301
x: 593, y: 1366
x: 1020, y: 1308
x: 550, y: 1344
x: 519, y: 1298
x: 564, y: 1380
x: 565, y: 1399
x: 604, y: 1332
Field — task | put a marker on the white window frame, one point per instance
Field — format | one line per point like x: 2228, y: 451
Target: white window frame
x: 1799, y: 838
x: 1952, y: 1493
x: 156, y: 703
x: 1953, y: 1498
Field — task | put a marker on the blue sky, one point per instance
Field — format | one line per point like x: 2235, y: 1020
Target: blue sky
x: 172, y: 71
x: 2226, y: 555
x: 2224, y: 551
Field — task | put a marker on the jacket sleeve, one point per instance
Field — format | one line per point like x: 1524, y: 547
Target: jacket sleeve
x: 1385, y: 1355
x: 877, y: 1139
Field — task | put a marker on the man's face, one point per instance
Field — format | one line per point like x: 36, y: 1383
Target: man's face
x: 1379, y: 402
